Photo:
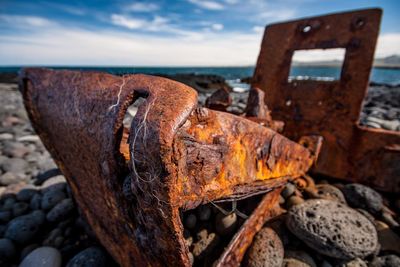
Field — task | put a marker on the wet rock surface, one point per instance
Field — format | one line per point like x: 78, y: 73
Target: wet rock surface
x: 38, y: 212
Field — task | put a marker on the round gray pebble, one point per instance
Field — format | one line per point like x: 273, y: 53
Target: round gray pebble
x: 363, y: 197
x: 42, y: 257
x: 225, y: 224
x: 332, y: 229
x: 90, y: 257
x: 266, y: 250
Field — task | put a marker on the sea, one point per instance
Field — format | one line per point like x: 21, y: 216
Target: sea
x: 233, y: 75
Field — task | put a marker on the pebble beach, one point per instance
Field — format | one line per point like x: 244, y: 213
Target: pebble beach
x: 326, y: 222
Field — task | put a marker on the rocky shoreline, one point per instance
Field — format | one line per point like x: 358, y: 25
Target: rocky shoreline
x: 327, y: 223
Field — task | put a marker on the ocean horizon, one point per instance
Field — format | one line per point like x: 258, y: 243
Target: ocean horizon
x: 231, y: 74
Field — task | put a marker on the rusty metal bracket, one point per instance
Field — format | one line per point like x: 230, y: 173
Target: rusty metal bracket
x: 330, y: 109
x: 178, y: 156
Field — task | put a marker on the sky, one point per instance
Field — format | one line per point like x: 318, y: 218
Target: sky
x: 162, y: 32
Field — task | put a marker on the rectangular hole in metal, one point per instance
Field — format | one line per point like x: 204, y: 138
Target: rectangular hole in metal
x: 127, y: 121
x: 317, y: 64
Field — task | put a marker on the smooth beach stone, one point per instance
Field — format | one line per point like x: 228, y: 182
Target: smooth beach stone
x: 26, y: 194
x: 23, y: 229
x: 333, y: 229
x: 36, y: 202
x: 294, y: 200
x: 326, y: 191
x: 386, y: 261
x: 288, y: 190
x: 28, y: 249
x: 5, y: 216
x: 298, y: 258
x: 8, y: 203
x: 90, y: 257
x: 61, y: 210
x: 190, y: 221
x: 265, y: 250
x: 57, y: 182
x: 42, y: 257
x: 225, y: 224
x: 51, y: 198
x: 204, y: 213
x: 15, y: 165
x: 20, y: 208
x: 363, y: 197
x: 7, y: 248
x: 357, y: 262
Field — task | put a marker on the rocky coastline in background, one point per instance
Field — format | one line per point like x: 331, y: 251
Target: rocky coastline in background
x: 328, y: 223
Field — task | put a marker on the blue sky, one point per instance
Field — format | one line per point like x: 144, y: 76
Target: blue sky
x: 162, y: 32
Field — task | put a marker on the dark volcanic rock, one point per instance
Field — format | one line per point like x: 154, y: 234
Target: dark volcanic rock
x: 363, y: 197
x: 24, y: 228
x: 266, y: 250
x: 61, y: 210
x: 332, y: 229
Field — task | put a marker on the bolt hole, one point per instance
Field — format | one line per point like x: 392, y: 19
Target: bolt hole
x: 360, y: 22
x: 306, y: 29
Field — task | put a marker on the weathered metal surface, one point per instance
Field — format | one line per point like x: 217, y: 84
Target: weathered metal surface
x: 330, y: 109
x: 178, y: 156
x: 267, y: 209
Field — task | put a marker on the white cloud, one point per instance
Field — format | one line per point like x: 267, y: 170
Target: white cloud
x: 217, y: 26
x: 157, y: 24
x: 143, y: 7
x: 25, y: 21
x: 211, y: 5
x: 258, y: 29
x: 283, y: 14
x: 388, y: 44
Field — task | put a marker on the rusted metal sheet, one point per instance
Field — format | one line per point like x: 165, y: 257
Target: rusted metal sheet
x: 266, y: 210
x: 330, y: 109
x: 178, y: 156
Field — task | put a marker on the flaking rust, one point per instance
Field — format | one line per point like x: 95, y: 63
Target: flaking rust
x: 178, y: 156
x: 330, y: 109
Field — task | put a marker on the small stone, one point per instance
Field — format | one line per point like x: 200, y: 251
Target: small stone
x: 205, y: 244
x: 389, y: 240
x: 381, y: 225
x: 23, y: 229
x: 388, y: 218
x: 357, y: 262
x: 386, y: 261
x: 28, y: 249
x: 7, y: 248
x: 332, y: 229
x: 51, y: 198
x: 266, y: 250
x: 360, y: 196
x: 6, y: 137
x: 54, y: 183
x: 9, y: 178
x: 294, y: 200
x: 5, y: 216
x: 61, y: 211
x: 204, y: 213
x: 43, y: 257
x: 28, y: 138
x: 191, y: 258
x: 190, y: 221
x: 288, y: 190
x: 225, y: 224
x: 326, y: 191
x: 26, y: 194
x: 297, y: 258
x: 90, y: 257
x: 8, y: 202
x: 20, y: 208
x: 36, y: 201
x: 15, y: 165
